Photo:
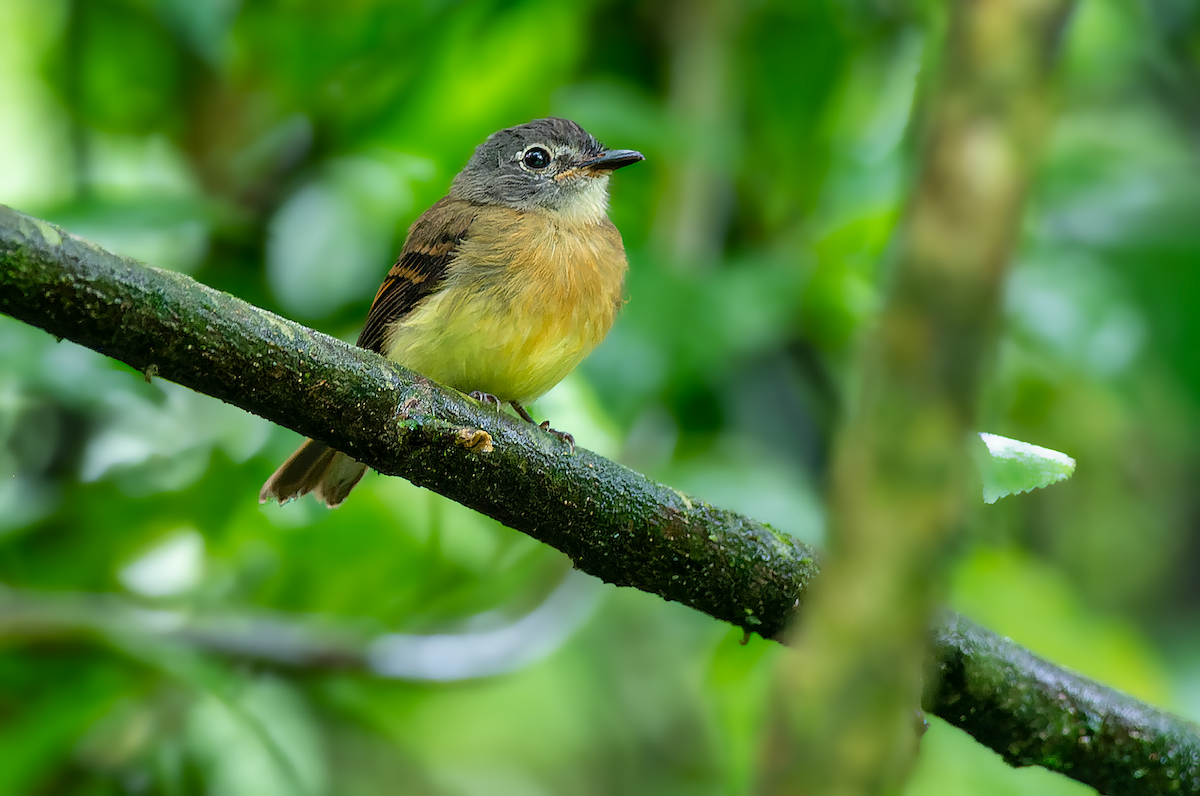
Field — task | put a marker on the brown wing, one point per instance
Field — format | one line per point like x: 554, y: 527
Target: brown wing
x: 432, y: 243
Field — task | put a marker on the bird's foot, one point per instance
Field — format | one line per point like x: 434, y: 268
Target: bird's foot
x: 486, y: 398
x: 544, y: 425
x: 564, y: 436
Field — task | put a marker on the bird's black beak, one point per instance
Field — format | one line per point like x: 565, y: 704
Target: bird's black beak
x: 612, y: 159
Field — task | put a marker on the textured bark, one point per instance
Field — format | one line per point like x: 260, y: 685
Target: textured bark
x: 1035, y: 713
x: 612, y: 522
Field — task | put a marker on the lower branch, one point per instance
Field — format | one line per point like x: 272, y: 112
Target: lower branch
x: 614, y: 523
x: 1035, y: 713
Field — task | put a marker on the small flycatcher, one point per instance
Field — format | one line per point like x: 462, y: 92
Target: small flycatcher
x: 502, y: 287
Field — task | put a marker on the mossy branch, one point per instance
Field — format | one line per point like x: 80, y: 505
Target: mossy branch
x: 614, y: 523
x: 1034, y: 713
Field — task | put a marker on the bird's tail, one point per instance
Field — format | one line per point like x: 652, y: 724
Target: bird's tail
x: 314, y: 467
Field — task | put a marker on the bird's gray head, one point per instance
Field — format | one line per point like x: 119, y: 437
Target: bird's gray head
x: 548, y: 164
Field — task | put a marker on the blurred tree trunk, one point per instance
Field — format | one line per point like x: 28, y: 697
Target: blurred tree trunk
x: 700, y: 36
x: 901, y: 482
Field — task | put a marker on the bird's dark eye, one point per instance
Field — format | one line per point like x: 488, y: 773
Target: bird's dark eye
x: 536, y: 158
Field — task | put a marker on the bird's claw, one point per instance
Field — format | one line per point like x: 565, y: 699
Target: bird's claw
x: 544, y: 425
x: 486, y: 398
x: 564, y: 436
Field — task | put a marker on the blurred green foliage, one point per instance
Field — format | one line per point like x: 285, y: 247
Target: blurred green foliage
x: 280, y: 150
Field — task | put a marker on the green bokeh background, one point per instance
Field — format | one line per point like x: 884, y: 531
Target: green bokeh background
x: 279, y: 150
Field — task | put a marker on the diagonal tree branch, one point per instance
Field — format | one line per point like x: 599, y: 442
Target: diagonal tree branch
x: 614, y: 523
x: 611, y: 521
x: 1035, y: 713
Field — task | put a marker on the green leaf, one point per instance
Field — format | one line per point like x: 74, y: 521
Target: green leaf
x: 1010, y: 467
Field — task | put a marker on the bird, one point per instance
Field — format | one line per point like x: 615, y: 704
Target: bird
x: 501, y: 288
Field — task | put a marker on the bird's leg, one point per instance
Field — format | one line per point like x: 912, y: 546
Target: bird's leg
x: 521, y: 411
x: 486, y: 398
x: 544, y: 425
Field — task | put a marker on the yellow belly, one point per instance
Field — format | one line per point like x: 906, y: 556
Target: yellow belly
x: 522, y: 305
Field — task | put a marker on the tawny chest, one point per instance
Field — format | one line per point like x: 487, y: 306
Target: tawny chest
x: 524, y: 302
